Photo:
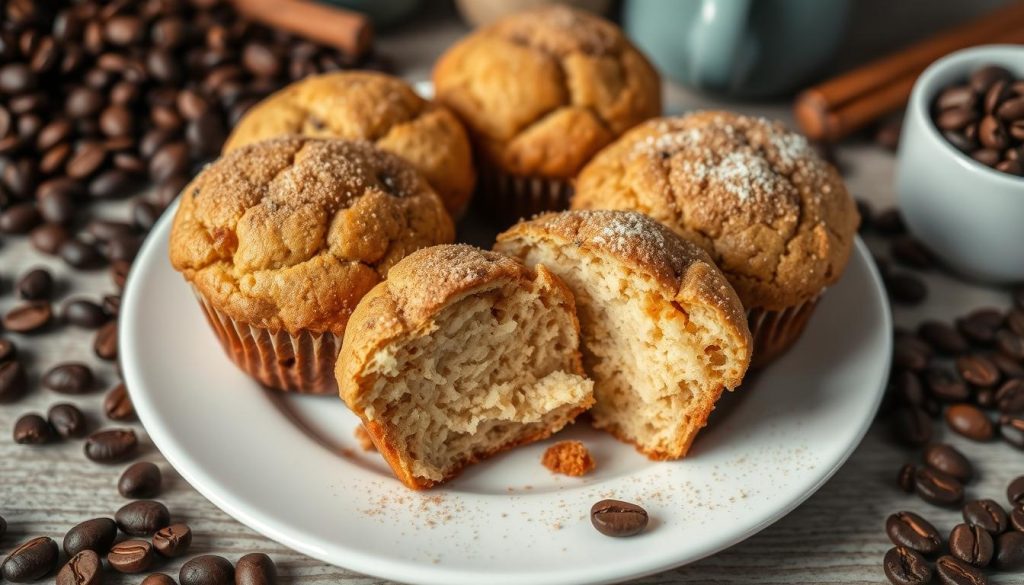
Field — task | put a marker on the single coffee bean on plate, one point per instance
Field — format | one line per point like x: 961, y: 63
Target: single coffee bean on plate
x: 986, y: 514
x: 971, y: 544
x: 255, y: 569
x: 1011, y: 429
x: 207, y: 570
x: 84, y: 313
x: 617, y: 518
x: 142, y: 517
x: 912, y: 531
x: 67, y: 420
x: 945, y: 384
x: 978, y: 370
x: 952, y: 571
x: 8, y: 350
x: 140, y: 480
x: 35, y: 285
x: 1015, y: 491
x: 906, y: 288
x: 938, y: 488
x: 85, y: 568
x: 31, y: 560
x: 173, y: 541
x: 943, y: 337
x: 912, y: 426
x: 105, y: 341
x: 97, y: 535
x: 28, y: 317
x: 905, y: 478
x: 13, y: 382
x: 947, y: 459
x: 970, y: 421
x: 117, y: 405
x: 131, y: 556
x: 906, y: 566
x: 158, y: 579
x: 111, y: 445
x: 69, y: 378
x: 1009, y: 553
x: 32, y: 429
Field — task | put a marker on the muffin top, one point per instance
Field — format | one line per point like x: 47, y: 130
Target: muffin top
x: 376, y: 107
x: 290, y: 233
x: 543, y: 90
x: 775, y: 217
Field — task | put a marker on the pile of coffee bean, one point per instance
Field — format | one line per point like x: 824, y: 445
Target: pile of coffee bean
x: 984, y: 118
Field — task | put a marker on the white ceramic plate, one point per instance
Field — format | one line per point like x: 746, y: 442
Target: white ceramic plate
x: 290, y: 467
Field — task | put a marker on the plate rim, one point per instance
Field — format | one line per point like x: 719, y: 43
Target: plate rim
x: 417, y: 572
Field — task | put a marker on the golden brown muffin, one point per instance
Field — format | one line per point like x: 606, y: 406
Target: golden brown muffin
x: 775, y: 217
x: 280, y: 239
x: 362, y: 105
x: 663, y: 332
x: 541, y: 92
x: 460, y: 354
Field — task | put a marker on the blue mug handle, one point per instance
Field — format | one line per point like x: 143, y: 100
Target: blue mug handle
x: 717, y: 42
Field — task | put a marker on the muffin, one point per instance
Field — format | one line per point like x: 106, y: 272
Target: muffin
x: 280, y: 239
x: 540, y: 93
x: 460, y: 354
x: 772, y: 214
x: 361, y: 105
x: 663, y: 332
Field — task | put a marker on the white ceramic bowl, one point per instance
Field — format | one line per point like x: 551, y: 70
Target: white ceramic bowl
x: 969, y: 214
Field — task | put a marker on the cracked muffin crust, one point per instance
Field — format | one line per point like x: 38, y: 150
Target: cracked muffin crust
x: 362, y: 105
x: 280, y: 239
x: 774, y: 216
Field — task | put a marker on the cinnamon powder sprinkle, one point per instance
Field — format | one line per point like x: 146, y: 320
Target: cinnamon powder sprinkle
x: 569, y: 458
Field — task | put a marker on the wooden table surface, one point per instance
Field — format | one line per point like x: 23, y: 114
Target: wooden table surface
x: 835, y: 537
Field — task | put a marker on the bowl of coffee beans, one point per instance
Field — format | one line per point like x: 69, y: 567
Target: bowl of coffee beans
x: 960, y: 172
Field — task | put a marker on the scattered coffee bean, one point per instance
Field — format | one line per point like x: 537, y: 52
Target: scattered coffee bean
x: 84, y: 313
x: 945, y: 385
x: 905, y: 478
x: 980, y: 326
x: 105, y: 342
x: 1011, y: 429
x: 67, y: 420
x: 111, y: 446
x: 938, y: 488
x: 1015, y: 491
x: 142, y: 517
x: 48, y: 237
x: 117, y: 405
x: 85, y: 568
x: 1009, y: 397
x: 255, y: 569
x: 173, y: 541
x: 906, y: 288
x: 1009, y: 553
x: 908, y: 251
x: 907, y: 388
x: 19, y: 219
x: 616, y: 518
x: 32, y: 429
x: 912, y: 426
x: 80, y: 254
x: 912, y: 531
x: 28, y: 317
x: 8, y: 351
x: 978, y: 370
x: 910, y: 353
x: 943, y: 337
x: 158, y: 579
x: 35, y: 285
x: 31, y: 560
x: 1017, y: 518
x: 949, y: 460
x: 69, y: 378
x: 207, y: 570
x: 970, y: 421
x: 1010, y: 368
x: 13, y: 382
x: 986, y: 514
x: 905, y: 566
x: 97, y: 535
x: 131, y: 556
x: 971, y: 544
x: 140, y: 480
x: 112, y: 305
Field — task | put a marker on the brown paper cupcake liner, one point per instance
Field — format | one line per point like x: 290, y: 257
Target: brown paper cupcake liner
x: 509, y: 198
x: 774, y: 332
x: 295, y: 363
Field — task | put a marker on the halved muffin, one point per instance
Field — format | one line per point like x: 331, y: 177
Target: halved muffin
x: 663, y: 331
x: 459, y: 354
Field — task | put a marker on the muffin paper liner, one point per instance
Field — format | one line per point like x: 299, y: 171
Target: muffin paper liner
x: 774, y: 332
x: 301, y: 363
x: 509, y: 198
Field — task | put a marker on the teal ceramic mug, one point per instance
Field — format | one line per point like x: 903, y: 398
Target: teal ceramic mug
x: 744, y: 48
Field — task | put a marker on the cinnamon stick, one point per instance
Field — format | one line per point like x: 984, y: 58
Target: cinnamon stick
x: 346, y: 30
x: 842, y: 105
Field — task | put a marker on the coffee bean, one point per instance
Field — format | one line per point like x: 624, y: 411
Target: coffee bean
x: 906, y: 288
x: 971, y: 544
x: 953, y: 571
x: 80, y: 254
x: 84, y: 313
x: 56, y: 205
x: 28, y: 317
x: 1015, y: 320
x: 1009, y: 397
x: 908, y: 251
x: 173, y: 541
x: 16, y: 78
x: 989, y: 157
x: 943, y: 337
x: 131, y: 556
x: 8, y: 351
x: 912, y: 426
x: 111, y: 184
x: 69, y: 378
x: 111, y: 446
x: 983, y: 78
x: 117, y: 405
x: 207, y: 570
x: 1009, y: 551
x: 992, y: 133
x: 158, y: 579
x: 980, y: 326
x: 48, y: 237
x: 19, y: 218
x: 910, y: 353
x: 112, y: 305
x: 206, y: 134
x: 1011, y: 429
x: 142, y: 517
x: 986, y: 514
x: 955, y: 118
x: 13, y: 382
x: 31, y: 560
x: 945, y: 385
x: 1010, y: 344
x: 119, y: 273
x: 912, y: 531
x: 140, y: 480
x: 1008, y: 367
x: 978, y: 370
x: 905, y: 566
x: 122, y: 248
x: 948, y: 460
x: 66, y: 420
x: 1015, y: 491
x: 97, y: 535
x: 105, y: 342
x: 85, y: 568
x: 255, y: 569
x: 616, y: 518
x: 905, y: 478
x: 35, y: 285
x: 907, y: 388
x: 169, y: 160
x: 1017, y: 518
x: 32, y: 429
x: 938, y: 488
x: 86, y: 160
x: 969, y: 421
